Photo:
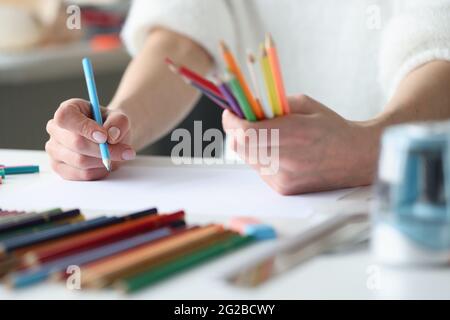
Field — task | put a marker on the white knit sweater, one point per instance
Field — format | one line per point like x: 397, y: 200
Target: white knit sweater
x: 350, y: 55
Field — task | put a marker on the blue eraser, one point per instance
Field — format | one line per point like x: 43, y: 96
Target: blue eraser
x: 260, y: 231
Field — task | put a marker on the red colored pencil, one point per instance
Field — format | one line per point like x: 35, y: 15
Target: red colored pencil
x: 195, y: 77
x: 96, y: 238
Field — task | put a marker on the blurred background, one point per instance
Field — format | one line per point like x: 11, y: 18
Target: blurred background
x: 40, y: 66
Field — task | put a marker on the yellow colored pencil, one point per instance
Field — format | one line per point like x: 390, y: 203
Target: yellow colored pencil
x: 234, y: 68
x: 269, y: 82
x: 276, y: 73
x: 256, y: 77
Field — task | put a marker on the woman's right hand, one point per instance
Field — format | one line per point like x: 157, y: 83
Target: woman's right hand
x: 74, y: 141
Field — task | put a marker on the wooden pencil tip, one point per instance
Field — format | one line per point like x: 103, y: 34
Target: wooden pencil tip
x: 223, y: 46
x: 269, y: 40
x: 251, y: 57
x: 169, y: 61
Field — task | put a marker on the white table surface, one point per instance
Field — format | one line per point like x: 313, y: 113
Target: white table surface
x: 351, y: 275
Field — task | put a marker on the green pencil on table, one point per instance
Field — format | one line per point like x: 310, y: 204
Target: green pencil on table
x: 152, y: 276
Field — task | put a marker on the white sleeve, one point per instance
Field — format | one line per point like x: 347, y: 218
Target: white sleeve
x: 204, y: 21
x: 418, y: 34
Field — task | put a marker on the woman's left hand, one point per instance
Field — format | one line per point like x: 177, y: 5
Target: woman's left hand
x: 318, y: 150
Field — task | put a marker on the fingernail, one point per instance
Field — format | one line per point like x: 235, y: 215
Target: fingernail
x: 99, y: 137
x: 128, y: 154
x: 114, y: 133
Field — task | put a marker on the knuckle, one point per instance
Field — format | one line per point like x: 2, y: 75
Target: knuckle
x: 89, y: 175
x: 303, y: 99
x: 85, y: 127
x: 81, y: 161
x: 78, y: 143
x: 49, y: 126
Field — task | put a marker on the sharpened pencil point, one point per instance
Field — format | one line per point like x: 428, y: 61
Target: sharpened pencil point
x: 269, y: 40
x: 107, y: 164
x: 223, y: 46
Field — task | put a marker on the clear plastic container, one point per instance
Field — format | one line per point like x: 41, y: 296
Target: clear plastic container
x: 411, y: 212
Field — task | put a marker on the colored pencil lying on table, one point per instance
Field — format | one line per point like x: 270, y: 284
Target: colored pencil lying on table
x: 234, y: 69
x: 111, y: 221
x: 145, y: 279
x: 21, y: 241
x: 13, y: 217
x: 276, y: 73
x: 107, y: 271
x: 100, y: 237
x: 239, y: 94
x: 58, y: 267
x: 269, y: 83
x: 20, y: 169
x: 195, y: 78
x: 41, y: 227
x: 38, y: 219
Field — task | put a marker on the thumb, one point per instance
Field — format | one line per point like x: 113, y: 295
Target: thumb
x: 118, y: 126
x: 304, y: 104
x: 74, y: 115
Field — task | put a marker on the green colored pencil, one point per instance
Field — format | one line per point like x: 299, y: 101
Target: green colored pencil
x: 142, y: 280
x: 239, y: 94
x: 21, y: 170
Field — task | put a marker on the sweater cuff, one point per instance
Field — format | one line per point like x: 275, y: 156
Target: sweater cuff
x: 412, y: 40
x: 203, y: 21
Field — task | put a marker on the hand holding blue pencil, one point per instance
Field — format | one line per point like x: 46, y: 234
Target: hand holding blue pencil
x: 95, y: 104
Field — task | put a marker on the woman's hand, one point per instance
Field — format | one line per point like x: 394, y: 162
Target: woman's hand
x: 74, y: 141
x: 318, y: 149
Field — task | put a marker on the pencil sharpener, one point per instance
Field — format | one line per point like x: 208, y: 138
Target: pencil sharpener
x: 411, y: 211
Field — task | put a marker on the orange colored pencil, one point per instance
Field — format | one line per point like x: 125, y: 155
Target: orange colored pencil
x: 107, y: 270
x: 277, y: 74
x: 234, y: 68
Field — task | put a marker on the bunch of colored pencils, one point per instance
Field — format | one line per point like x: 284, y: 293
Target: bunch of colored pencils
x: 231, y: 91
x: 127, y: 252
x: 5, y: 171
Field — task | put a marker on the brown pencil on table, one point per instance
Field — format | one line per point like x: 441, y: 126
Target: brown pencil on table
x: 106, y: 271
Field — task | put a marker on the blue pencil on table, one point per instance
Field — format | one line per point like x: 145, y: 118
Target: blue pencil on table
x: 95, y: 104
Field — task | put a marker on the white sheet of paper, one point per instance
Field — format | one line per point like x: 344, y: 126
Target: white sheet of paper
x: 198, y: 190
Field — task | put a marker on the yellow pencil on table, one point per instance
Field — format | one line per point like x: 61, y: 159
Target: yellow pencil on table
x: 276, y: 73
x: 234, y: 68
x: 269, y: 82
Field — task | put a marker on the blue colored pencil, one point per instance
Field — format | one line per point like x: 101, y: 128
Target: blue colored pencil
x: 33, y: 276
x: 25, y: 240
x: 95, y: 104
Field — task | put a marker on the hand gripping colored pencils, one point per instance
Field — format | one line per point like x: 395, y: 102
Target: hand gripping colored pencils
x: 142, y: 280
x: 105, y: 272
x: 276, y: 73
x: 95, y: 105
x: 234, y: 68
x: 100, y: 237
